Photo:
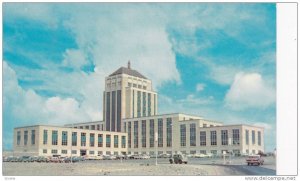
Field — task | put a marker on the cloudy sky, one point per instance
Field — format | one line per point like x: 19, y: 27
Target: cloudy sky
x: 214, y: 60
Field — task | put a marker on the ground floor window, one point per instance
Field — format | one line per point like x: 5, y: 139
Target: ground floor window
x: 108, y: 153
x: 74, y: 151
x: 54, y: 151
x: 253, y: 151
x: 91, y: 152
x: 115, y: 153
x: 202, y: 151
x: 64, y: 151
x: 214, y: 152
x: 183, y: 152
x: 100, y: 153
x: 192, y: 151
x: 44, y: 150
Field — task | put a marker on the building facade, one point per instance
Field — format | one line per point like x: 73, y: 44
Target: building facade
x: 127, y: 94
x: 190, y: 135
x: 53, y: 140
x: 131, y: 125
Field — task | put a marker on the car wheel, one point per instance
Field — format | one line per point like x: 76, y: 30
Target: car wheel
x: 176, y: 162
x: 185, y: 162
x: 171, y: 161
x: 248, y: 164
x: 180, y: 161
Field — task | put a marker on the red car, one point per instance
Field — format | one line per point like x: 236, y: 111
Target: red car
x: 254, y: 160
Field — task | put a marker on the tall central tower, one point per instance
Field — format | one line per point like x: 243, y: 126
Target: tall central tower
x: 127, y: 94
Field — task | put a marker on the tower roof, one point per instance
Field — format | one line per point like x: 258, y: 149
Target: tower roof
x: 128, y: 71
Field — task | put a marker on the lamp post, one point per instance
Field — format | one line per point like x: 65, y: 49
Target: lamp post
x: 156, y: 145
x: 71, y: 142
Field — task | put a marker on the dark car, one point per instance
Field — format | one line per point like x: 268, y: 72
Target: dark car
x: 25, y: 159
x: 178, y: 158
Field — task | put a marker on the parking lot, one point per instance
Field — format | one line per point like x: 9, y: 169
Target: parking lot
x: 195, y: 166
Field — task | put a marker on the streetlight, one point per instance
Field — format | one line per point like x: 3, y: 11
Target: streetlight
x: 156, y: 145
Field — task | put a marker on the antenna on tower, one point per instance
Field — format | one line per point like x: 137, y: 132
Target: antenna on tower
x: 128, y: 65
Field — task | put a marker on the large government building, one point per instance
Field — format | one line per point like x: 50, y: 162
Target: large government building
x: 131, y: 125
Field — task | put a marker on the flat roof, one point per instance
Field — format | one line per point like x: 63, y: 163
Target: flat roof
x: 84, y: 123
x: 230, y: 125
x: 159, y: 115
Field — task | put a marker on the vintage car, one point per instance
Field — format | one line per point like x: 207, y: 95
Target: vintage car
x: 254, y: 160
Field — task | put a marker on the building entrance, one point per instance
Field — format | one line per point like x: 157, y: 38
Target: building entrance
x: 82, y: 152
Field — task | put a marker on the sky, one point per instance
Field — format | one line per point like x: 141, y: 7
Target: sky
x: 216, y: 60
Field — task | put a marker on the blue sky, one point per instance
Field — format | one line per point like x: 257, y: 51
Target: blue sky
x: 210, y: 59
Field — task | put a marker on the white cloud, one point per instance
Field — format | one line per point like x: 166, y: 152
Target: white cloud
x: 74, y: 58
x: 249, y: 90
x: 25, y: 107
x: 200, y: 87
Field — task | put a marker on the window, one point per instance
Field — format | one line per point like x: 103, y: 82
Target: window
x: 214, y: 152
x: 113, y: 111
x: 144, y: 133
x: 100, y: 153
x: 54, y: 137
x: 74, y: 151
x: 98, y: 126
x: 193, y: 134
x: 224, y: 137
x: 18, y: 137
x: 107, y: 113
x: 202, y: 138
x: 45, y: 137
x: 44, y: 150
x: 149, y: 104
x: 136, y: 134
x: 81, y: 127
x: 144, y: 103
x: 91, y: 152
x: 193, y: 152
x: 108, y: 141
x: 25, y: 137
x: 151, y: 140
x: 92, y: 139
x: 83, y: 139
x: 100, y: 140
x: 169, y: 132
x: 93, y: 127
x: 160, y: 132
x: 247, y: 137
x: 87, y: 127
x: 123, y: 141
x: 116, y: 141
x: 129, y: 134
x: 144, y: 87
x: 253, y: 137
x: 32, y: 137
x: 54, y: 151
x: 139, y: 86
x: 139, y: 104
x: 74, y: 138
x: 213, y: 137
x: 203, y: 152
x: 64, y: 151
x: 154, y: 104
x: 235, y: 136
x: 259, y: 138
x: 119, y: 105
x: 64, y: 138
x: 133, y: 103
x: 204, y: 125
x: 134, y: 85
x: 183, y: 135
x: 129, y: 84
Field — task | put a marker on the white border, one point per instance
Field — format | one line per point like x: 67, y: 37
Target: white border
x: 287, y: 89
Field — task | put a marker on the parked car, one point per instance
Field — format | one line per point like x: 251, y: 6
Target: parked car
x: 42, y: 159
x: 14, y: 159
x: 24, y: 159
x: 33, y: 159
x: 119, y: 157
x: 255, y: 160
x: 178, y: 158
x: 56, y: 160
x: 201, y: 155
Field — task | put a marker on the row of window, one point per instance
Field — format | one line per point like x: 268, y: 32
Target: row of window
x: 213, y: 137
x: 113, y: 110
x: 151, y: 135
x: 91, y: 127
x: 64, y: 139
x: 91, y: 152
x: 142, y: 98
x: 26, y: 137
